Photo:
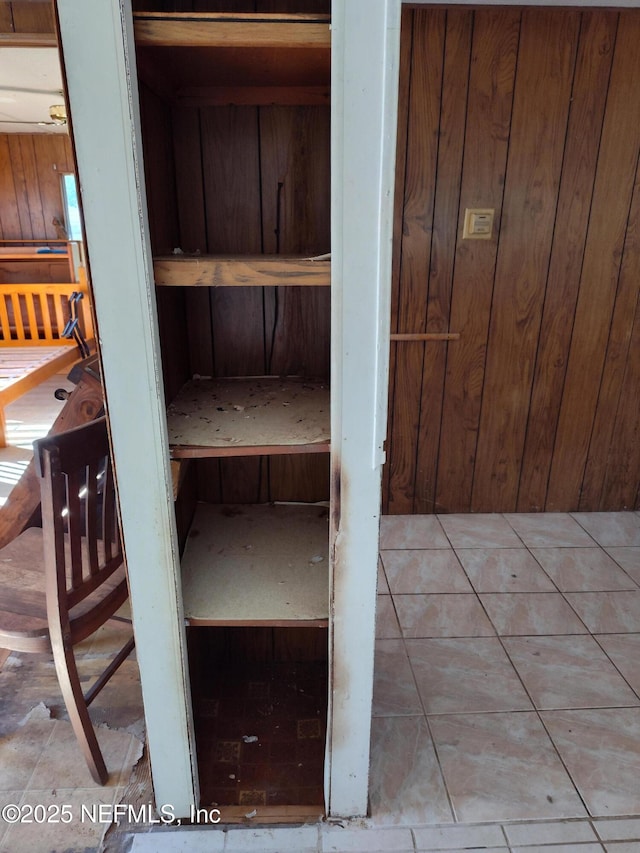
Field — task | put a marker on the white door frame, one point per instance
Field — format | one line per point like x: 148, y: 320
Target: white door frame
x: 99, y: 61
x: 98, y: 55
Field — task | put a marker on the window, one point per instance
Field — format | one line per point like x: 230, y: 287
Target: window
x: 72, y: 220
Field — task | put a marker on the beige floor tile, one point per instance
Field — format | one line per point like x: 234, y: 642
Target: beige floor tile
x: 559, y: 848
x: 582, y: 569
x: 465, y: 675
x: 501, y: 767
x: 20, y: 751
x: 628, y: 559
x: 426, y: 570
x: 601, y: 750
x: 611, y: 528
x: 13, y: 800
x: 458, y: 837
x: 607, y: 612
x: 528, y: 613
x: 504, y: 570
x: 618, y: 829
x: 270, y: 840
x: 442, y: 616
x: 169, y: 840
x: 364, y: 840
x: 83, y: 832
x: 386, y: 620
x: 383, y: 586
x: 411, y: 531
x: 555, y: 529
x: 481, y: 530
x: 394, y: 687
x: 624, y: 651
x: 62, y: 764
x: 568, y: 672
x: 556, y: 832
x: 406, y: 783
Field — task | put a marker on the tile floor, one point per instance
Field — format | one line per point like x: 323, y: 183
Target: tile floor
x: 506, y: 705
x: 506, y: 710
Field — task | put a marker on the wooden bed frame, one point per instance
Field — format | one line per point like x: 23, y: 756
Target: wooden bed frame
x: 32, y: 318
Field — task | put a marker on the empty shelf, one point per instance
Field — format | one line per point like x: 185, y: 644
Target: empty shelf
x: 241, y: 271
x: 246, y: 417
x: 259, y: 564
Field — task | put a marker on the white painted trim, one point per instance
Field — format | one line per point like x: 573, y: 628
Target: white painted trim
x: 98, y: 51
x: 364, y: 75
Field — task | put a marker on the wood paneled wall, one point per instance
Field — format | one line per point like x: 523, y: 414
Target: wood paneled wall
x: 36, y: 16
x: 31, y: 197
x: 535, y: 113
x: 30, y: 191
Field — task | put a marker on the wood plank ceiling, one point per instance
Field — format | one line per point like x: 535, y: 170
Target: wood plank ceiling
x: 536, y: 114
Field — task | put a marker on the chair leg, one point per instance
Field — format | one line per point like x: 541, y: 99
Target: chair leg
x: 72, y: 694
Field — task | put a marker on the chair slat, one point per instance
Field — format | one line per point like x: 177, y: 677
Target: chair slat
x: 17, y: 316
x: 92, y: 531
x: 5, y: 324
x: 60, y: 305
x: 46, y: 317
x: 75, y: 525
x: 109, y: 520
x: 32, y: 320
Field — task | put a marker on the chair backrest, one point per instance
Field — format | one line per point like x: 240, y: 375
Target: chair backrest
x: 81, y: 533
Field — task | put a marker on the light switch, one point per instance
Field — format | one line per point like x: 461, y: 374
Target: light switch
x: 478, y: 223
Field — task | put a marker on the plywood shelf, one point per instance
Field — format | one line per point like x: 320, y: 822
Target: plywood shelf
x: 232, y: 30
x: 215, y: 58
x: 248, y: 417
x: 241, y: 271
x: 261, y: 565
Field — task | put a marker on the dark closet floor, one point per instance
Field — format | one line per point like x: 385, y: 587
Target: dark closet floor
x: 261, y: 737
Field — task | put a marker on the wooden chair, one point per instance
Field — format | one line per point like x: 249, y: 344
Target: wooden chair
x: 61, y: 582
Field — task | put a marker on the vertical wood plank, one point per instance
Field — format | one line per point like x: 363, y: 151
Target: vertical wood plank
x: 406, y: 41
x: 604, y: 446
x: 50, y: 159
x: 9, y: 217
x: 6, y: 17
x: 494, y: 52
x: 547, y: 52
x: 295, y: 172
x: 588, y: 99
x: 230, y: 157
x: 612, y: 196
x: 163, y: 226
x: 443, y: 246
x: 160, y: 172
x: 21, y: 185
x: 419, y: 194
x: 193, y: 232
x: 622, y: 477
x: 35, y: 16
x: 295, y: 175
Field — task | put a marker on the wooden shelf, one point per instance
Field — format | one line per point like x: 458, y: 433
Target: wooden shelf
x: 229, y: 30
x: 241, y: 271
x: 263, y: 565
x: 215, y: 58
x: 248, y: 417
